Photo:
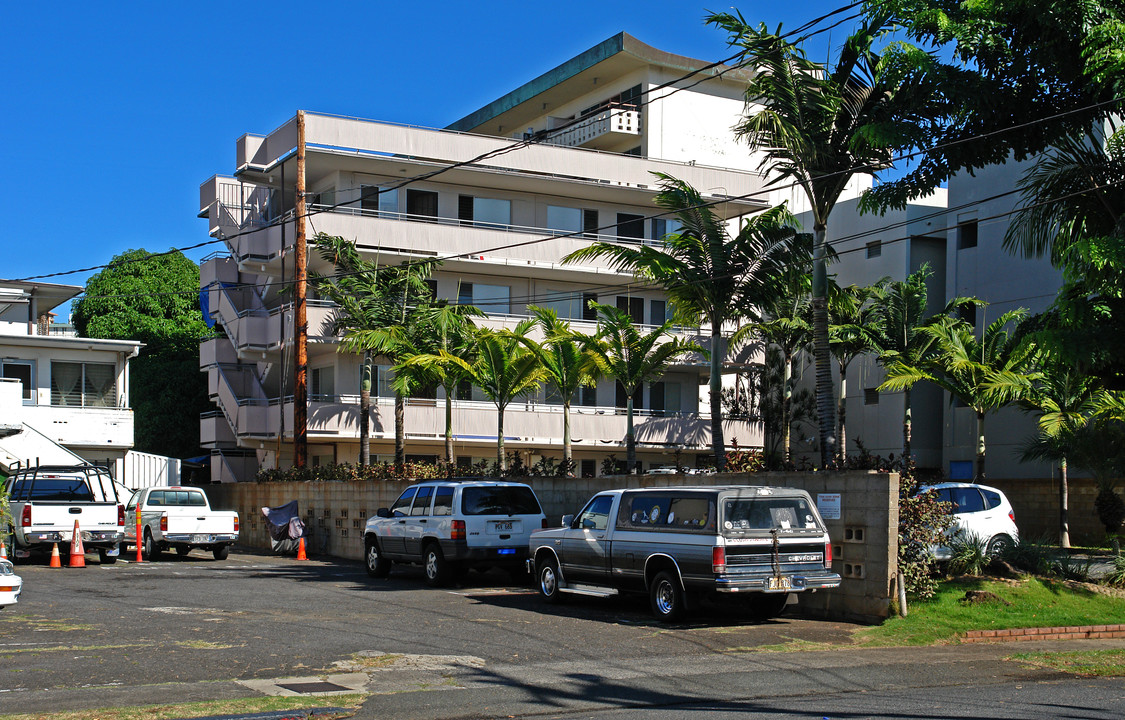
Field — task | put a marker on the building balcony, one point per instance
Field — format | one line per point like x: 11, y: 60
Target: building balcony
x: 82, y: 426
x: 255, y: 331
x: 602, y: 130
x: 215, y: 432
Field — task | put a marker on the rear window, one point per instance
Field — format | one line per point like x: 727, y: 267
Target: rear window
x: 58, y: 489
x: 177, y: 498
x: 768, y: 513
x: 671, y: 511
x: 499, y: 500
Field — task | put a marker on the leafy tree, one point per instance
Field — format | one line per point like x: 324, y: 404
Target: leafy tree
x: 852, y: 312
x: 984, y: 374
x: 621, y: 352
x: 371, y: 301
x: 566, y: 364
x: 504, y: 369
x: 709, y: 276
x: 818, y: 128
x: 153, y: 298
x: 1021, y: 76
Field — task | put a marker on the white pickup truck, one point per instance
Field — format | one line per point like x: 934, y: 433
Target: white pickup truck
x: 180, y: 518
x: 46, y: 500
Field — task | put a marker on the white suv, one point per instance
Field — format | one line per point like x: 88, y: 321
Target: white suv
x: 978, y: 511
x: 448, y: 526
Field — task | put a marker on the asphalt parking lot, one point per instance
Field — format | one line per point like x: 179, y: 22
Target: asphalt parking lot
x: 125, y: 634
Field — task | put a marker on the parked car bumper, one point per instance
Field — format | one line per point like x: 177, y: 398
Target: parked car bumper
x: 767, y: 583
x: 201, y: 538
x: 98, y: 538
x: 505, y: 554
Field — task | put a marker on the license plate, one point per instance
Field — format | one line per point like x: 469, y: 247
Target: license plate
x: 780, y: 583
x: 506, y: 551
x: 503, y: 526
x: 199, y: 538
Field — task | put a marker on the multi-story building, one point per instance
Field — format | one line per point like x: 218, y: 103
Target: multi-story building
x: 502, y: 214
x: 58, y: 389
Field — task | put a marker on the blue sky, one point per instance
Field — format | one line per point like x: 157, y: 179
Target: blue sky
x: 115, y: 113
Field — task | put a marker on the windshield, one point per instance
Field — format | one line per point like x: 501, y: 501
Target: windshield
x: 786, y: 514
x: 499, y: 500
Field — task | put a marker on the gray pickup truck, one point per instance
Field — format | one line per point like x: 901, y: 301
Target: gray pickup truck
x: 678, y: 545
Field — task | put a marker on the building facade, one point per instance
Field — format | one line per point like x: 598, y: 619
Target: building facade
x: 501, y: 214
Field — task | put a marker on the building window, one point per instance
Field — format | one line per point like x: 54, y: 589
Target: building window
x: 322, y: 383
x: 630, y: 226
x: 492, y: 299
x: 83, y: 384
x: 968, y: 313
x: 665, y: 226
x: 874, y: 249
x: 589, y: 468
x: 24, y: 371
x: 421, y: 204
x: 484, y: 212
x: 585, y: 396
x: 658, y: 312
x: 377, y: 200
x: 564, y: 219
x: 967, y: 235
x: 623, y: 398
x: 634, y: 306
x: 589, y: 313
x: 383, y: 381
x: 870, y: 396
x: 590, y: 223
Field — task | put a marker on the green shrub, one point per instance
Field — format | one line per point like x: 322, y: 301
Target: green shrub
x: 1116, y: 576
x: 970, y: 555
x: 1036, y: 556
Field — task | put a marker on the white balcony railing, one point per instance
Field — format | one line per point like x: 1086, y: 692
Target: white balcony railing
x: 599, y: 130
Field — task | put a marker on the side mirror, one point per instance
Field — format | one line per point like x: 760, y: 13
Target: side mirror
x: 567, y: 521
x: 383, y: 513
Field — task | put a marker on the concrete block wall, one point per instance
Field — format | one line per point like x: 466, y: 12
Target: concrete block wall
x: 864, y: 539
x: 1036, y: 504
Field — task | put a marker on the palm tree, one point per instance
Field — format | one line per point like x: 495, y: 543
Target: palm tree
x: 852, y: 312
x: 818, y: 127
x: 707, y: 274
x: 983, y: 374
x: 621, y: 352
x: 1065, y: 401
x: 372, y: 299
x: 566, y: 364
x: 503, y: 369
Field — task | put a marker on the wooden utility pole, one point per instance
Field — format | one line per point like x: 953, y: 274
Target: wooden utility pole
x: 300, y: 319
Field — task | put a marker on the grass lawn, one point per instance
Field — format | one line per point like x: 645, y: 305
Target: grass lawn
x: 1106, y: 663
x: 242, y: 706
x: 1033, y: 603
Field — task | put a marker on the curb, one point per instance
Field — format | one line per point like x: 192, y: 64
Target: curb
x: 285, y: 714
x: 1079, y: 632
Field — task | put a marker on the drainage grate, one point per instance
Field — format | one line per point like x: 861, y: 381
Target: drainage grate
x: 314, y: 687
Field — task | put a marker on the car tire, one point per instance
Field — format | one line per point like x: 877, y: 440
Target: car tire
x: 221, y: 553
x: 378, y: 566
x: 150, y: 551
x: 105, y: 558
x: 548, y: 581
x: 999, y: 545
x: 766, y: 606
x: 435, y: 565
x: 667, y: 597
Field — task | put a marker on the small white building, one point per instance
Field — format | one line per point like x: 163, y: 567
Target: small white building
x: 71, y: 391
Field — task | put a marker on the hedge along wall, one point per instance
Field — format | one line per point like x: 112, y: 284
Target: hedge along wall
x: 1036, y: 505
x: 864, y: 538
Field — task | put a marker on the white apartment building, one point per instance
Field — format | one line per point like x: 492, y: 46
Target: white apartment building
x: 58, y: 388
x: 599, y: 135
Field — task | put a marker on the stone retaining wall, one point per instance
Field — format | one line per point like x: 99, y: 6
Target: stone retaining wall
x: 1036, y: 504
x: 865, y: 537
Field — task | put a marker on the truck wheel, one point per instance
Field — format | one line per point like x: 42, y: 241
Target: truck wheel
x: 667, y: 596
x: 221, y: 552
x: 106, y: 559
x: 548, y: 577
x: 437, y: 569
x: 150, y: 551
x: 377, y: 565
x: 765, y: 606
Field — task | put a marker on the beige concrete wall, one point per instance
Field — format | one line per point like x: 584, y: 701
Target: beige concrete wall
x: 864, y: 539
x: 1036, y: 504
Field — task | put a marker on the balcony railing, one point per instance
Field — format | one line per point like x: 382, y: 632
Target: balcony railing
x: 599, y: 129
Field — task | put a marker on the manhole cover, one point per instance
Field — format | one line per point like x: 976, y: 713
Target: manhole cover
x: 313, y: 687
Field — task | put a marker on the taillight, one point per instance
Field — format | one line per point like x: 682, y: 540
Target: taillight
x: 120, y: 516
x: 828, y: 554
x: 545, y: 523
x: 163, y: 523
x: 718, y: 559
x: 236, y: 523
x: 25, y: 516
x: 1012, y: 515
x: 458, y: 530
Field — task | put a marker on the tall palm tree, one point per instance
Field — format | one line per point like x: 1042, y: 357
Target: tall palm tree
x: 370, y: 299
x: 566, y: 364
x: 984, y: 374
x: 621, y: 352
x: 504, y: 369
x: 709, y: 276
x: 852, y: 312
x: 818, y: 127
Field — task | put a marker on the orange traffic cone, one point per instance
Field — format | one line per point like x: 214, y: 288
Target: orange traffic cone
x: 55, y: 561
x: 3, y: 551
x: 301, y: 550
x: 77, y: 552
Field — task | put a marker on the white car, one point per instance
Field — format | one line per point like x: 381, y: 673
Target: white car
x: 10, y: 584
x: 978, y: 511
